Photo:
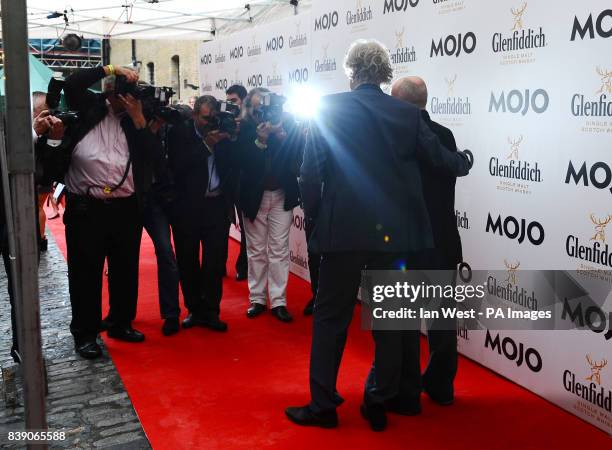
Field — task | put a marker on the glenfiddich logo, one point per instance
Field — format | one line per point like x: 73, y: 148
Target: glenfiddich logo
x: 596, y: 368
x: 462, y: 220
x: 402, y: 54
x: 206, y: 86
x: 451, y: 105
x: 593, y: 392
x: 274, y: 79
x: 297, y: 257
x: 254, y: 49
x: 602, y: 107
x: 299, y: 39
x: 325, y: 64
x: 220, y: 56
x: 597, y: 251
x: 237, y: 79
x: 520, y: 40
x: 512, y: 172
x: 600, y: 228
x: 360, y: 14
x: 509, y: 289
x: 512, y: 268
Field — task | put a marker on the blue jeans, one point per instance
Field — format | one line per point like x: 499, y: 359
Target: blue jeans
x: 157, y: 224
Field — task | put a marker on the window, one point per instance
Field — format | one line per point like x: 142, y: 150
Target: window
x: 151, y: 72
x: 176, y: 75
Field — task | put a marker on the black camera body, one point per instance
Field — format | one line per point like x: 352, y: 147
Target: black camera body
x: 225, y: 118
x: 54, y: 92
x: 272, y: 107
x: 155, y: 100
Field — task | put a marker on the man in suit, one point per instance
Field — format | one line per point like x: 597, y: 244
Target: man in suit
x: 361, y: 180
x: 111, y: 156
x: 199, y: 156
x: 439, y: 192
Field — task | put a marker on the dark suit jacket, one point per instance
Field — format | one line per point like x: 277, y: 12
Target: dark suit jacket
x: 188, y: 163
x: 439, y: 191
x: 285, y: 163
x: 144, y: 147
x: 361, y: 177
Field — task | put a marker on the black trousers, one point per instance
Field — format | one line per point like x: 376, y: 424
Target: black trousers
x: 339, y: 281
x: 202, y: 283
x: 4, y: 250
x: 242, y: 263
x: 97, y: 230
x: 314, y: 259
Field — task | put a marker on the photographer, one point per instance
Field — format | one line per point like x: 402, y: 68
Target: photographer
x: 112, y: 155
x: 200, y: 158
x: 270, y: 148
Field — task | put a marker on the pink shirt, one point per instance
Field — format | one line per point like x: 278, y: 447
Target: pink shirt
x: 99, y: 160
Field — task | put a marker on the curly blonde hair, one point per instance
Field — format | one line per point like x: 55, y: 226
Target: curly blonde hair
x: 367, y: 61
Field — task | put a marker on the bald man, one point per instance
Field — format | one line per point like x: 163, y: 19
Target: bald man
x: 439, y: 192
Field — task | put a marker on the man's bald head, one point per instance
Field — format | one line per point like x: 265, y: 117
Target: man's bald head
x: 412, y: 90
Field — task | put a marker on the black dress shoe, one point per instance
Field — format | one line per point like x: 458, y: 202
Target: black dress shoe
x: 43, y: 245
x: 214, y: 324
x: 170, y: 326
x: 440, y: 399
x: 303, y: 415
x: 127, y: 334
x: 190, y: 321
x: 241, y: 276
x: 309, y: 307
x: 255, y: 309
x: 105, y: 324
x: 375, y: 415
x: 88, y: 349
x: 281, y: 313
x: 404, y: 407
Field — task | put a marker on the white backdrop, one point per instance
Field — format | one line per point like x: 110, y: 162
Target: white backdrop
x: 520, y: 109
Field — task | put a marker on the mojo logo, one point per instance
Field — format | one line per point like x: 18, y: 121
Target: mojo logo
x: 326, y: 21
x: 581, y: 107
x: 275, y: 44
x: 515, y: 352
x: 255, y: 80
x: 221, y: 84
x: 520, y: 101
x: 599, y: 175
x: 514, y: 228
x: 521, y: 39
x: 237, y: 52
x: 298, y: 222
x: 591, y: 317
x: 206, y: 59
x: 392, y: 6
x: 298, y: 76
x: 453, y: 45
x: 590, y: 28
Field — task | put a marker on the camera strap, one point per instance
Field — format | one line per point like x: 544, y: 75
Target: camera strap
x: 107, y: 189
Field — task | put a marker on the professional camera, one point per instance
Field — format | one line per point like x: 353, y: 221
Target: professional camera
x: 155, y: 100
x: 271, y: 108
x: 54, y: 92
x: 225, y: 117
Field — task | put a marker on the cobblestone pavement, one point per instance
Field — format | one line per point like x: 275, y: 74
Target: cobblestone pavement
x: 86, y: 399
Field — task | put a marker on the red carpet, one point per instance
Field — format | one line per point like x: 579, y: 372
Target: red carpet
x: 204, y: 390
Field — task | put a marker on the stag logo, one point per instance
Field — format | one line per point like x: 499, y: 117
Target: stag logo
x: 512, y: 269
x: 451, y: 85
x: 399, y: 38
x: 596, y: 367
x: 518, y: 17
x: 600, y: 228
x: 515, y: 144
x: 606, y: 81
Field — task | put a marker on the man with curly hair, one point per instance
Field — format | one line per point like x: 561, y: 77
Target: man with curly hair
x: 361, y: 180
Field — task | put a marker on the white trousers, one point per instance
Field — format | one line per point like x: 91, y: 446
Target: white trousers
x: 268, y: 250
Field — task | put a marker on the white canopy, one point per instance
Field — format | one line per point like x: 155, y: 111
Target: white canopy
x: 145, y: 19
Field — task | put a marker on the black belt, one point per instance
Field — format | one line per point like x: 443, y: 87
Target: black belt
x: 99, y: 201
